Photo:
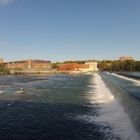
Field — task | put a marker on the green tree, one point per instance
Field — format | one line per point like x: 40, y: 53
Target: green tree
x: 55, y: 65
x: 105, y: 65
x: 128, y: 65
x: 137, y: 66
x: 4, y: 70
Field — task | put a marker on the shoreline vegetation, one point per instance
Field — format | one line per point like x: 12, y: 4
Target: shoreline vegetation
x: 119, y: 66
x: 3, y: 70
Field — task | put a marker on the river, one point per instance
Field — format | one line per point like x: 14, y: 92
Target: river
x: 69, y: 107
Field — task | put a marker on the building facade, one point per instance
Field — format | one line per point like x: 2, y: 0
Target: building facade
x: 124, y: 58
x: 28, y: 64
x: 1, y: 60
x: 73, y: 67
x: 92, y: 66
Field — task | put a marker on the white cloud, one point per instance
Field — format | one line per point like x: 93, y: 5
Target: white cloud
x: 5, y: 2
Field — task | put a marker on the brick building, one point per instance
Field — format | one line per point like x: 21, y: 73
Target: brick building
x: 28, y: 64
x: 88, y: 66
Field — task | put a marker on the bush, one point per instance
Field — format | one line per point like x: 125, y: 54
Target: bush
x: 4, y: 70
x: 128, y: 65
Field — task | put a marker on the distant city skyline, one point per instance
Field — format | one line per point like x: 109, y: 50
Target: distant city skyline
x: 59, y: 30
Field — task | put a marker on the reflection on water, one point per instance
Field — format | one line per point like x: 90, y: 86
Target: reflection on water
x: 62, y: 107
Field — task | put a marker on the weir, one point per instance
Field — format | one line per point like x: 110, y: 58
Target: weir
x: 129, y: 102
x: 133, y: 75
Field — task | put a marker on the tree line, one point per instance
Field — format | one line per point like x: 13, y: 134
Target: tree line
x: 4, y: 70
x: 128, y: 65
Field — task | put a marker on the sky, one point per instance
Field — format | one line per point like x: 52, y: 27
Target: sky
x: 59, y: 30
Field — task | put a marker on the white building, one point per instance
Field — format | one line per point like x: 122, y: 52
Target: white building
x: 92, y: 65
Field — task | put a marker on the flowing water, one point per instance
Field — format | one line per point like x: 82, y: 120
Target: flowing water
x: 69, y: 107
x: 135, y: 75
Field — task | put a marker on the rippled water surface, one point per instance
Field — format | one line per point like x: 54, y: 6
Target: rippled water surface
x: 62, y: 107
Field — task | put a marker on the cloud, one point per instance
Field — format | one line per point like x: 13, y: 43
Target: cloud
x: 5, y: 2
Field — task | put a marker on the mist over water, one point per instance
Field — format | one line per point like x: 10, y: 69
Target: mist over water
x: 74, y: 107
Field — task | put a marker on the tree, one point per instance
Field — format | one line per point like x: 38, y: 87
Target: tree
x: 128, y: 65
x: 137, y: 66
x: 4, y: 70
x: 105, y: 65
x: 55, y: 65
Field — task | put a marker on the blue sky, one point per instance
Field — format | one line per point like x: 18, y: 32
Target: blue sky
x: 69, y: 29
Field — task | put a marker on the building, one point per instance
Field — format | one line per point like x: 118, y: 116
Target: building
x: 92, y: 66
x: 1, y: 60
x: 124, y: 58
x: 75, y: 67
x: 28, y: 64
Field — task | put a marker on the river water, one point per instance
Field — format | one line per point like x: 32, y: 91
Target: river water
x: 68, y: 107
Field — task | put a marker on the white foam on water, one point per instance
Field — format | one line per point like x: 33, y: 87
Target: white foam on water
x: 111, y: 112
x: 1, y: 91
x: 136, y: 82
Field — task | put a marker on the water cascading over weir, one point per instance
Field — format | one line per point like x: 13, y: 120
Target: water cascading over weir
x: 125, y: 90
